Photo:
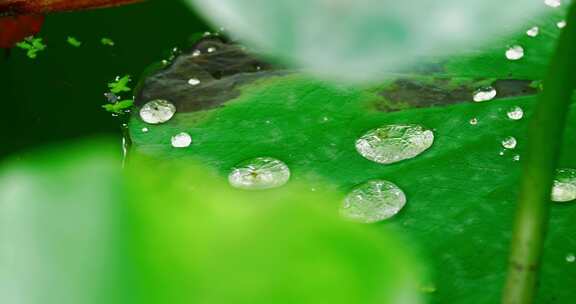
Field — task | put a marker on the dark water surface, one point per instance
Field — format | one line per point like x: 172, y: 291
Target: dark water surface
x: 58, y: 96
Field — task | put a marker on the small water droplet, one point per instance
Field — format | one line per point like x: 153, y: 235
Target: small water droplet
x: 553, y: 3
x: 157, y: 111
x: 564, y: 189
x: 196, y: 53
x: 570, y: 258
x: 515, y: 52
x: 484, y: 94
x: 144, y: 130
x: 561, y: 24
x: 259, y: 173
x: 516, y: 113
x: 393, y: 143
x: 533, y: 31
x: 193, y: 81
x: 211, y: 49
x: 516, y: 157
x: 373, y: 201
x: 509, y: 142
x: 501, y: 153
x: 474, y: 121
x: 181, y: 140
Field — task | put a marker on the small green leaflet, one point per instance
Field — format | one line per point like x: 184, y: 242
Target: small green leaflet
x: 120, y: 84
x: 118, y: 107
x: 73, y: 41
x: 32, y: 46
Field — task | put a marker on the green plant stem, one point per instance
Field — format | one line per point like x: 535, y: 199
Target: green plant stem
x: 544, y: 145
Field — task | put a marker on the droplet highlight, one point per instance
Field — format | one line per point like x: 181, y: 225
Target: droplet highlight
x: 181, y: 140
x: 259, y: 173
x: 394, y: 143
x: 564, y: 189
x: 515, y: 52
x: 373, y: 201
x: 193, y: 81
x: 157, y: 111
x: 509, y: 142
x: 484, y: 94
x: 516, y: 113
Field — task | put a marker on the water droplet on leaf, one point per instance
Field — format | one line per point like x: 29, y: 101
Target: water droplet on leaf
x: 181, y: 140
x: 373, y: 201
x: 484, y: 94
x: 515, y: 52
x: 474, y: 121
x: 259, y: 173
x: 553, y: 3
x: 144, y: 130
x: 157, y: 111
x: 393, y: 143
x: 564, y: 189
x: 561, y: 24
x: 193, y: 81
x: 533, y: 31
x: 509, y: 142
x: 571, y: 258
x: 516, y: 113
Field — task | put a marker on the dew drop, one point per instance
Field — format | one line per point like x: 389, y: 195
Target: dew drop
x: 196, y: 53
x: 193, y: 81
x: 570, y: 258
x: 259, y: 173
x: 157, y: 111
x: 561, y: 24
x: 394, y: 143
x: 564, y: 189
x: 515, y: 52
x: 533, y: 31
x: 516, y: 157
x: 484, y: 94
x: 181, y: 140
x: 516, y: 113
x: 144, y: 130
x: 474, y: 121
x: 509, y: 142
x: 553, y: 3
x: 373, y: 201
x: 211, y: 49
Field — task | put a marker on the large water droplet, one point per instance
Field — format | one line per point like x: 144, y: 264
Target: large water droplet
x: 393, y: 143
x: 564, y: 189
x: 181, y: 140
x: 509, y: 142
x: 157, y: 111
x: 553, y: 3
x: 515, y: 52
x: 516, y: 113
x: 484, y: 94
x: 373, y: 201
x: 259, y: 173
x: 533, y: 31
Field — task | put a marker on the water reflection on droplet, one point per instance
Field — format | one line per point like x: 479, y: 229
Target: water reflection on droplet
x: 259, y: 173
x: 516, y: 113
x: 515, y: 52
x: 181, y: 140
x: 509, y: 142
x: 393, y: 143
x: 373, y: 201
x: 474, y: 121
x: 157, y: 111
x: 484, y: 94
x: 193, y: 81
x: 561, y: 24
x: 564, y: 189
x: 533, y: 31
x: 553, y: 3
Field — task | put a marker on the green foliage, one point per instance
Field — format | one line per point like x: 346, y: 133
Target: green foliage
x: 81, y: 231
x: 32, y: 46
x: 461, y: 193
x: 120, y: 84
x: 107, y: 41
x: 118, y: 107
x: 73, y: 41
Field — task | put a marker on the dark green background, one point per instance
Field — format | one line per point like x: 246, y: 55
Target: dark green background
x: 58, y: 96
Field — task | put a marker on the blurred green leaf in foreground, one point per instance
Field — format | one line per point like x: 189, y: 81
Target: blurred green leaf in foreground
x: 76, y: 229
